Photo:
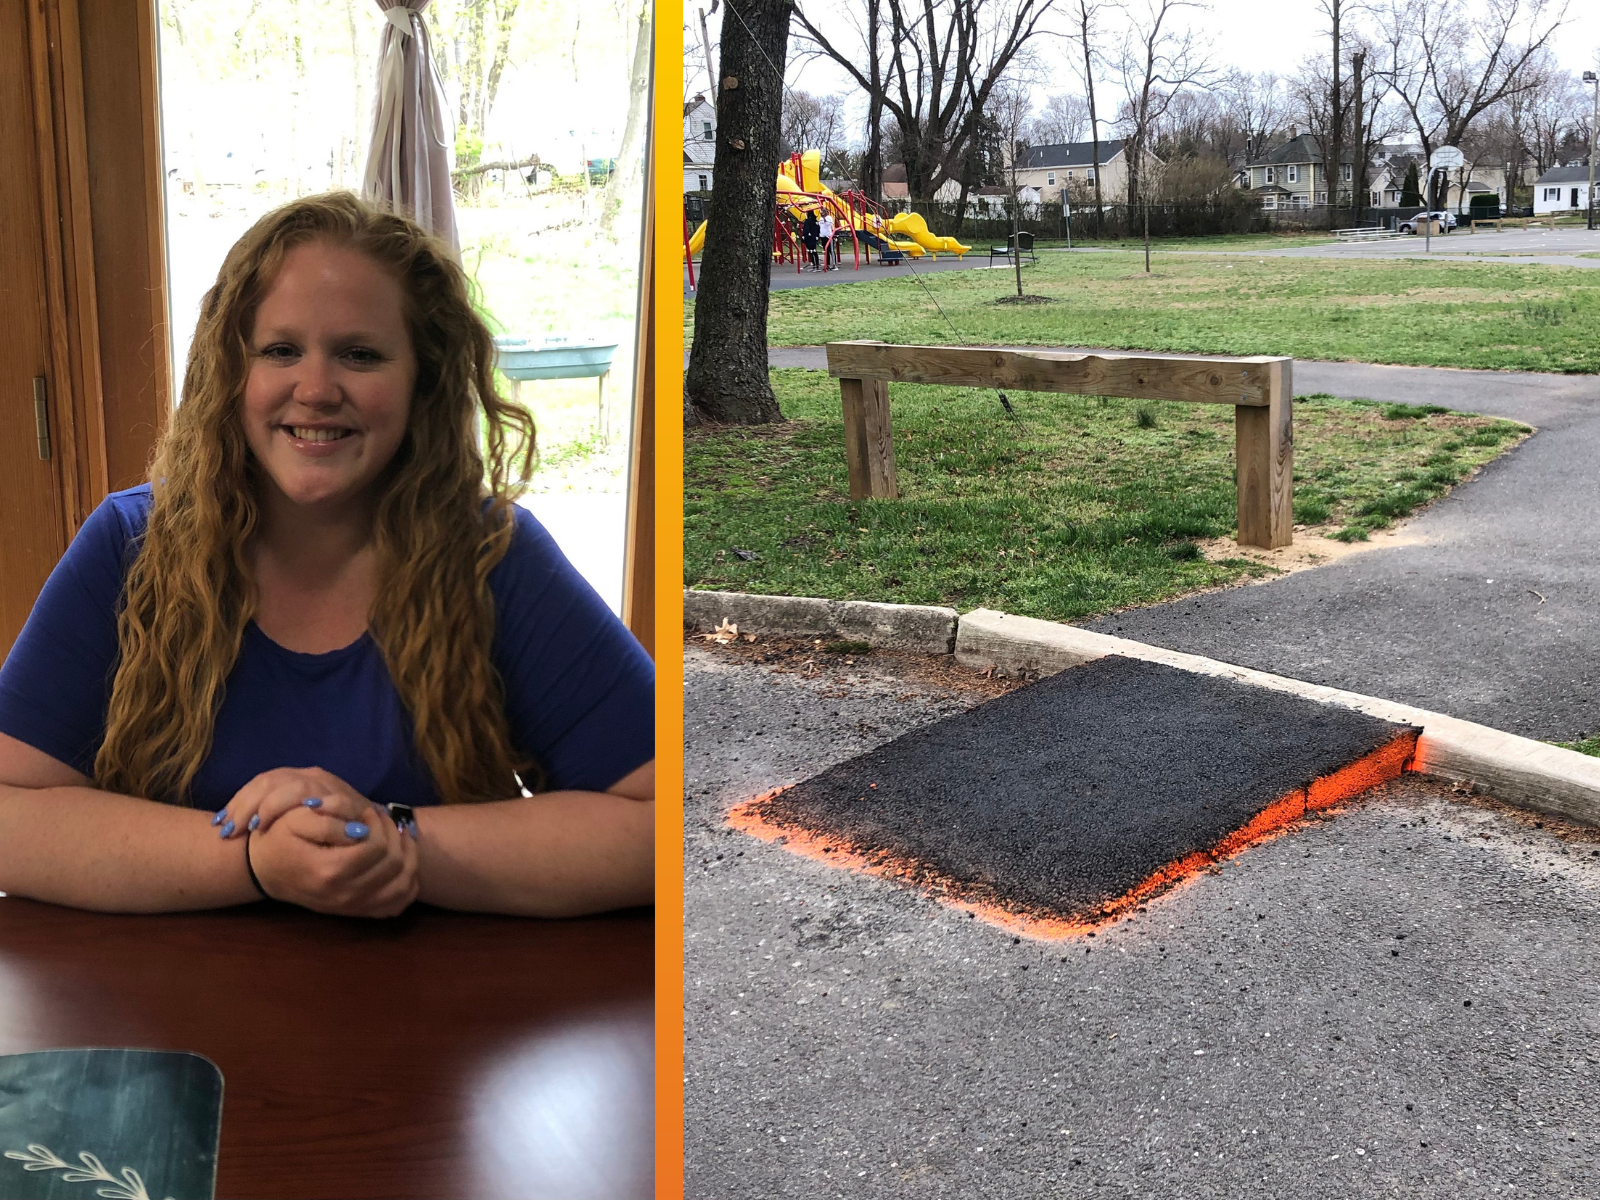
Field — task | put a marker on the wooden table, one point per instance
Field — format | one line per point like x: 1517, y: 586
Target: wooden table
x: 435, y: 1055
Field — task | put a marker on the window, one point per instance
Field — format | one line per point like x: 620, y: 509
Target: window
x: 705, y: 184
x: 706, y: 134
x: 1050, y: 179
x: 1088, y: 173
x: 1270, y: 178
x: 1322, y: 197
x: 1069, y: 174
x: 1349, y: 172
x: 1294, y: 173
x: 1375, y: 200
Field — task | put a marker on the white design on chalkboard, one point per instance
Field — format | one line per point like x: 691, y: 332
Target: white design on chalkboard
x: 42, y: 1158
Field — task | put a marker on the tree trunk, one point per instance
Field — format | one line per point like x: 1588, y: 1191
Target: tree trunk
x: 727, y: 381
x: 1358, y: 189
x: 1094, y: 130
x: 630, y: 157
x: 1333, y: 168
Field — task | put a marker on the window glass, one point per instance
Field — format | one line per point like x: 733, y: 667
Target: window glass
x: 261, y: 103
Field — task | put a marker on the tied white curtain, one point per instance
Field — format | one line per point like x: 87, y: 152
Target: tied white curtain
x: 413, y: 136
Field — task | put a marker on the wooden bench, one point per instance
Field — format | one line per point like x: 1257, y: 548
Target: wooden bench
x: 1261, y: 390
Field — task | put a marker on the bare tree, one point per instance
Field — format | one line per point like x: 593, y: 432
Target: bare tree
x: 1256, y: 105
x: 1085, y: 28
x: 941, y: 61
x: 1009, y: 106
x: 1447, y: 69
x: 812, y: 122
x: 1553, y: 110
x: 1065, y: 119
x: 1157, y: 59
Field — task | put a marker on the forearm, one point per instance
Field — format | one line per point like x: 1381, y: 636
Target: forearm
x: 96, y: 850
x: 562, y: 854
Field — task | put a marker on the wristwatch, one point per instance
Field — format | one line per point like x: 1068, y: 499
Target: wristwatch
x: 405, y: 818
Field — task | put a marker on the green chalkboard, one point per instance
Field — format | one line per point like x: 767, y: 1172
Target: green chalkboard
x: 109, y: 1125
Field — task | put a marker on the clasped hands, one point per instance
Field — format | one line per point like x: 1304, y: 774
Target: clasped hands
x: 313, y: 840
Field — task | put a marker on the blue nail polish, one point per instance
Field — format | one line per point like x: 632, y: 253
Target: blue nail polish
x: 356, y: 830
x: 217, y: 820
x: 226, y: 831
x: 255, y: 820
x: 312, y: 802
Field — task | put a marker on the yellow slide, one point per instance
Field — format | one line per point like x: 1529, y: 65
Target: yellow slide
x: 698, y: 240
x: 912, y: 225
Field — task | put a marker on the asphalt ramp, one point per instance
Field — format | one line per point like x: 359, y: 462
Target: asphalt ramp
x: 1063, y: 804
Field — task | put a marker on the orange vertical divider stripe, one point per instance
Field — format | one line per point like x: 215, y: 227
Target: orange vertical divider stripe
x: 666, y: 315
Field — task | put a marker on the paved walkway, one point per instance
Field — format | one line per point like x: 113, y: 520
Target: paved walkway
x: 1493, y: 617
x: 1540, y: 247
x: 1398, y: 1001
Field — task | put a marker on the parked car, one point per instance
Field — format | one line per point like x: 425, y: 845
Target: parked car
x: 1445, y: 219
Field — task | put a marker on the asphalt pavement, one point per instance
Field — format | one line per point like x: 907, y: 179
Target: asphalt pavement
x: 1492, y: 614
x: 1402, y: 999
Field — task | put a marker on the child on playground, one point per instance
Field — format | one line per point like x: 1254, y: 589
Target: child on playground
x: 810, y: 235
x: 825, y: 233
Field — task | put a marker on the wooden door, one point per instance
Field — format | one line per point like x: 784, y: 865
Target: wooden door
x: 32, y: 532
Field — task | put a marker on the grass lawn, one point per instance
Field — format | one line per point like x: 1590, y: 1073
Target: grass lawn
x: 1218, y: 241
x: 1449, y: 314
x: 1077, y: 507
x: 1589, y: 746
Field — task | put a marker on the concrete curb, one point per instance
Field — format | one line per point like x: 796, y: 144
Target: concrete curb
x: 1517, y: 770
x: 922, y: 629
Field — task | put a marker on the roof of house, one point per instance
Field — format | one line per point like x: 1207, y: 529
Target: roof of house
x: 690, y: 105
x: 1302, y: 149
x: 894, y: 173
x: 896, y: 191
x: 1070, y: 154
x: 1571, y: 173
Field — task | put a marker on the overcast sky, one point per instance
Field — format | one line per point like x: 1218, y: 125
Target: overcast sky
x: 1256, y: 35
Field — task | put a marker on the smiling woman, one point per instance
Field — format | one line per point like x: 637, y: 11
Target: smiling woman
x: 326, y: 620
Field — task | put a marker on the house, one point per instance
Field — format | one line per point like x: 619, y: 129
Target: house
x: 1294, y: 175
x: 1070, y: 167
x: 699, y: 143
x: 1561, y: 188
x: 996, y: 201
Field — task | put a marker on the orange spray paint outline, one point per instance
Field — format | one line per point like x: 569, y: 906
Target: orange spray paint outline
x: 755, y: 817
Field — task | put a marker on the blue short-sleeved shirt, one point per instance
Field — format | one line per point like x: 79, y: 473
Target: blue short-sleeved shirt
x: 579, y: 689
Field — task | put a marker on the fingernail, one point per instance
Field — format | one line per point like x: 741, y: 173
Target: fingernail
x: 226, y: 831
x: 356, y: 830
x: 217, y: 820
x: 312, y: 802
x: 254, y: 821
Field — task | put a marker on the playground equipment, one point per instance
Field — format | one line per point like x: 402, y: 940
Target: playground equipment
x: 869, y: 226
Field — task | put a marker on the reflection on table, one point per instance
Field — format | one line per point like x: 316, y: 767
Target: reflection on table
x: 438, y: 1054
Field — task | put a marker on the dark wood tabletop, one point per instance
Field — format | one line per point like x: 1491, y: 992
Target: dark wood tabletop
x: 434, y: 1055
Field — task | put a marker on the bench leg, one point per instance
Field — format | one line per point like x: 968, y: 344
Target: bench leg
x: 1264, y: 453
x: 868, y: 439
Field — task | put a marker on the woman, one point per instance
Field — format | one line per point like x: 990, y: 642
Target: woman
x: 325, y: 602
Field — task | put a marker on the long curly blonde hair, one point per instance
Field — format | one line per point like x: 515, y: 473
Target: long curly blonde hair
x: 443, y: 520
